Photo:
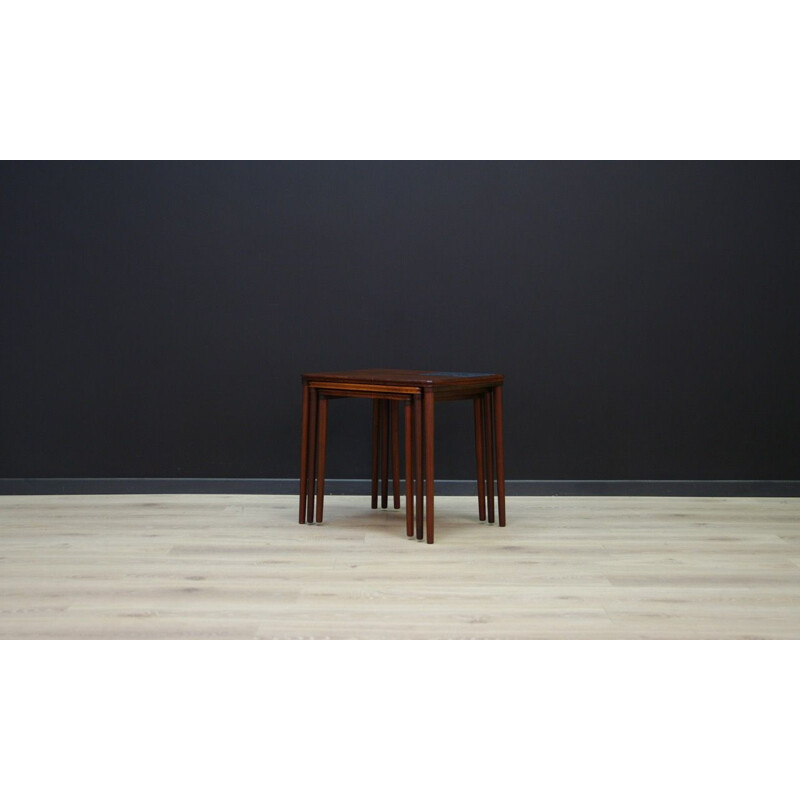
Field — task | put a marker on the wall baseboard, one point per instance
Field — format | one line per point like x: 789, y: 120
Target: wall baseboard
x: 34, y: 486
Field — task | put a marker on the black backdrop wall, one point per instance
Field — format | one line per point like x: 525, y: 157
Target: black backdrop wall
x: 156, y: 316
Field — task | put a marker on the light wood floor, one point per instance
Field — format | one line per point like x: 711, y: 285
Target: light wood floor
x: 240, y: 567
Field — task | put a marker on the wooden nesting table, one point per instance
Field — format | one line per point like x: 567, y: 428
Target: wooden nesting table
x: 417, y: 391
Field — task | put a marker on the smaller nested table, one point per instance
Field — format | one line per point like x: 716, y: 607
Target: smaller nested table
x: 418, y: 391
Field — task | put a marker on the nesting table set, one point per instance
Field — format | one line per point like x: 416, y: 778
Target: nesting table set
x: 416, y: 392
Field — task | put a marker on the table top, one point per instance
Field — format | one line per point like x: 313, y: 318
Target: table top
x: 409, y: 377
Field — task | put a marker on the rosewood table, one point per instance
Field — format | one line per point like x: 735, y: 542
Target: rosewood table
x: 418, y: 391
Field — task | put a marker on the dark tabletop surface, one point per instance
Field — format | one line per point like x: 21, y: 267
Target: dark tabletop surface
x: 407, y: 377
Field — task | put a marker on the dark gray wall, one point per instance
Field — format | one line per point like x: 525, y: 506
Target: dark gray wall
x: 156, y: 317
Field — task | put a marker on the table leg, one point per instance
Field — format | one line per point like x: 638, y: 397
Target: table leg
x: 478, y: 408
x: 498, y: 443
x: 429, y: 482
x: 376, y: 421
x: 394, y: 405
x: 304, y: 455
x: 384, y: 453
x: 487, y: 426
x: 322, y: 427
x: 407, y: 431
x: 312, y: 461
x: 418, y: 463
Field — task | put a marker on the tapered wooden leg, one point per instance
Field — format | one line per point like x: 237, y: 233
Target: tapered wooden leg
x: 478, y: 408
x: 409, y: 459
x: 429, y: 482
x: 487, y: 427
x: 418, y: 463
x: 312, y: 460
x: 500, y: 456
x: 384, y: 454
x: 304, y: 455
x: 395, y: 415
x: 376, y: 424
x: 322, y: 427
